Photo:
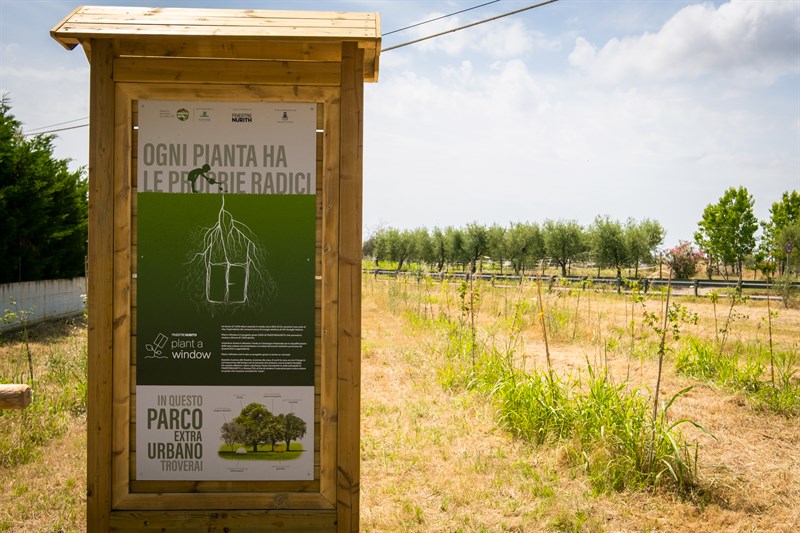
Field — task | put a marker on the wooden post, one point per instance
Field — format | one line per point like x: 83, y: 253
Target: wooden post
x: 100, y: 280
x: 349, y: 333
x: 15, y: 396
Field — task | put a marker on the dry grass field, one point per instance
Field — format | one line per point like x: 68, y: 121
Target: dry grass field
x: 43, y: 447
x: 436, y: 454
x: 435, y: 459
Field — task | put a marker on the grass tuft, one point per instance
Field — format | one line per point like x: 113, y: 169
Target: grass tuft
x: 745, y: 370
x: 606, y: 428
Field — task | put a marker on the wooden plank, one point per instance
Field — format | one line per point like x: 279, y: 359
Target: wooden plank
x: 100, y: 284
x: 157, y: 70
x: 346, y: 27
x: 349, y: 327
x: 160, y: 501
x: 329, y: 413
x: 71, y: 31
x: 136, y: 16
x: 243, y: 49
x: 265, y: 93
x: 223, y: 486
x: 221, y: 520
x: 122, y: 297
x: 372, y: 63
x: 15, y: 396
x: 163, y: 13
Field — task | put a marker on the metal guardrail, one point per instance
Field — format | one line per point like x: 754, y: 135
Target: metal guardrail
x: 619, y: 283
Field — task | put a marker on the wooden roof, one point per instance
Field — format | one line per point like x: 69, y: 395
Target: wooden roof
x: 194, y: 28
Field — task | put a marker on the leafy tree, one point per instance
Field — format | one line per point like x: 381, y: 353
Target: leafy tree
x: 438, y: 249
x: 791, y: 233
x: 368, y: 247
x: 783, y: 214
x: 273, y: 430
x: 608, y: 244
x: 476, y: 244
x: 422, y: 250
x: 382, y: 246
x: 525, y: 245
x: 727, y: 229
x: 255, y: 419
x: 43, y: 227
x: 641, y: 240
x: 233, y: 433
x: 454, y: 246
x: 294, y: 428
x: 394, y: 245
x: 497, y: 245
x: 564, y: 242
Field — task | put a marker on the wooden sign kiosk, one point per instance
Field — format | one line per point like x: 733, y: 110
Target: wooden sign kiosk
x: 242, y: 58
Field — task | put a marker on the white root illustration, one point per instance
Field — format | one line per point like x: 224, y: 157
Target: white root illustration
x: 229, y: 264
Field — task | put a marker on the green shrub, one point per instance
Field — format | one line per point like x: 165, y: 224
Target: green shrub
x: 702, y: 360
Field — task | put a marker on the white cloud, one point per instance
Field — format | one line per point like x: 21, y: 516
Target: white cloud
x: 509, y: 144
x: 752, y: 42
x: 510, y: 39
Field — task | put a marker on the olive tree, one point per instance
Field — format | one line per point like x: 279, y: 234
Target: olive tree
x: 641, y: 240
x: 525, y: 245
x: 564, y: 242
x: 608, y: 247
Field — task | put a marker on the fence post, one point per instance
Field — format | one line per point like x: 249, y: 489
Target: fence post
x: 696, y: 286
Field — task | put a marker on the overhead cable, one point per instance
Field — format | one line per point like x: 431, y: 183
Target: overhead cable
x: 468, y: 25
x: 28, y: 134
x: 33, y: 130
x: 439, y: 18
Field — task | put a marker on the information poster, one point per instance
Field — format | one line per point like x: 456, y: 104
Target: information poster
x: 225, y: 291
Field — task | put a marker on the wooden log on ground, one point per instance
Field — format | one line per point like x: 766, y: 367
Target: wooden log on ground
x: 15, y: 396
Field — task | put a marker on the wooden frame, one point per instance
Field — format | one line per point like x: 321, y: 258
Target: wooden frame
x: 327, y: 65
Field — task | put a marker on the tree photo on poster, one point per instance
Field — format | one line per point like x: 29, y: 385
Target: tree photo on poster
x: 256, y: 425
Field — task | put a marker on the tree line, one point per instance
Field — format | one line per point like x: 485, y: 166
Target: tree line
x: 44, y: 206
x: 522, y: 246
x: 43, y: 230
x: 725, y: 242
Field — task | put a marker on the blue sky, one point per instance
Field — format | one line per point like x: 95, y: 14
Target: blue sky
x: 572, y: 110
